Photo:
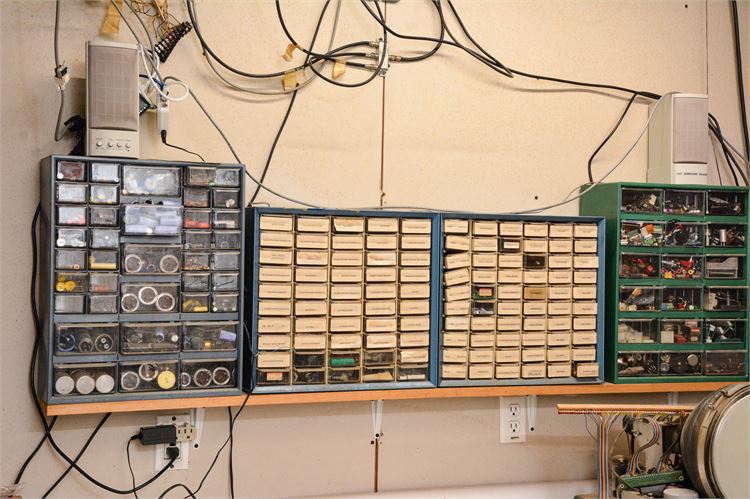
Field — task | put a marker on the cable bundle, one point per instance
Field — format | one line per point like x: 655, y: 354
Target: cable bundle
x: 166, y: 45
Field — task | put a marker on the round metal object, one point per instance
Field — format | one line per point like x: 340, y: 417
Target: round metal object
x: 105, y: 383
x: 714, y: 443
x: 129, y: 381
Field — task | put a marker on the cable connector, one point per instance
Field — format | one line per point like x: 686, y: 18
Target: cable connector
x: 61, y: 76
x: 381, y: 55
x: 166, y: 434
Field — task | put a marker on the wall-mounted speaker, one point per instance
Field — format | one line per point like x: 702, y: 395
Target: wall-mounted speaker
x: 678, y: 141
x: 111, y: 99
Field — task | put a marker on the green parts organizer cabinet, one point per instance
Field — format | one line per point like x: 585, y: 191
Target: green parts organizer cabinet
x: 677, y: 281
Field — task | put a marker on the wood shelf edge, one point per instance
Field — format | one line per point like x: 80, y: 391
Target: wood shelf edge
x: 259, y: 400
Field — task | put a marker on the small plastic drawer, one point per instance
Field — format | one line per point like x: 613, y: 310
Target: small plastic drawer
x: 104, y: 238
x: 149, y: 298
x: 640, y: 299
x: 85, y: 338
x: 271, y: 377
x: 224, y: 302
x: 225, y: 260
x: 71, y: 193
x: 345, y: 359
x: 726, y: 299
x: 148, y: 376
x: 638, y: 266
x: 725, y: 363
x: 152, y: 220
x: 641, y: 233
x: 193, y: 197
x: 227, y: 239
x: 632, y: 364
x: 196, y: 261
x: 378, y: 374
x: 309, y: 360
x: 344, y: 375
x: 684, y: 234
x: 197, y: 219
x: 195, y: 303
x: 102, y: 304
x: 725, y: 267
x: 195, y: 281
x: 151, y: 259
x: 637, y: 331
x: 304, y: 377
x: 210, y: 336
x: 641, y: 200
x: 71, y: 215
x: 71, y: 282
x: 105, y: 172
x: 74, y: 171
x: 725, y: 235
x: 727, y: 203
x: 380, y: 357
x: 413, y: 372
x: 200, y: 176
x: 103, y: 216
x: 681, y: 363
x: 681, y: 266
x: 227, y: 177
x: 225, y: 282
x: 66, y: 259
x: 680, y: 331
x: 198, y: 375
x: 150, y: 181
x: 103, y: 282
x: 226, y: 219
x: 725, y: 330
x: 71, y: 238
x: 103, y: 260
x: 681, y: 299
x: 104, y: 194
x: 84, y: 379
x: 226, y: 198
x: 69, y: 304
x: 197, y: 239
x: 684, y: 202
x: 149, y: 337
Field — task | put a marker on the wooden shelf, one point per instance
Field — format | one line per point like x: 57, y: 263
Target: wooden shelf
x: 367, y: 395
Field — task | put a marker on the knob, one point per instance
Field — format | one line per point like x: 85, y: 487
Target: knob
x: 110, y: 144
x: 99, y: 143
x: 119, y: 145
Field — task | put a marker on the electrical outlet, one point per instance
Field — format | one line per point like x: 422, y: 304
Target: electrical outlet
x: 160, y: 452
x: 512, y: 420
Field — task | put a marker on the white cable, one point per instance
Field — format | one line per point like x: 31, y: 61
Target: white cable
x: 142, y: 51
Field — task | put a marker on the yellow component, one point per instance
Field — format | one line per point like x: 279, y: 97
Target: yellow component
x: 208, y: 345
x: 166, y: 380
x: 200, y: 308
x: 290, y: 80
x: 102, y: 266
x: 70, y: 285
x: 339, y: 68
x: 111, y: 23
x: 289, y: 52
x: 60, y: 287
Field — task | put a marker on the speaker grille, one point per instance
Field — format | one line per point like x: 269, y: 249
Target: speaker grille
x: 690, y: 144
x: 112, y: 87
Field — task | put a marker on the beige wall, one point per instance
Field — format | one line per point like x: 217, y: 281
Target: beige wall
x: 453, y: 135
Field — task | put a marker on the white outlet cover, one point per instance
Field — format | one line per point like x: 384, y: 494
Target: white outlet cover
x: 507, y: 435
x: 160, y: 459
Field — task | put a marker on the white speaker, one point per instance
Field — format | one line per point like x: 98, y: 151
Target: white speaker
x: 111, y: 99
x: 678, y: 142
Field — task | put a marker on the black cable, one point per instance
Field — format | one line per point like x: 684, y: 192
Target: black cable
x: 714, y: 127
x: 426, y: 55
x: 79, y: 455
x: 130, y: 465
x: 231, y: 455
x: 32, y: 372
x: 740, y: 76
x: 320, y: 75
x: 164, y: 141
x: 60, y: 72
x: 26, y: 463
x: 208, y: 51
x: 606, y: 139
x: 172, y: 487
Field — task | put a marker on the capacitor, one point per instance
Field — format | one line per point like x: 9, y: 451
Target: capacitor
x: 129, y: 381
x: 85, y: 343
x: 64, y: 384
x: 85, y: 384
x: 166, y: 380
x: 202, y: 377
x: 105, y: 383
x: 221, y: 376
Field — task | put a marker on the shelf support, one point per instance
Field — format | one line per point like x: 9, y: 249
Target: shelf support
x: 672, y: 398
x: 377, y: 433
x: 531, y: 412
